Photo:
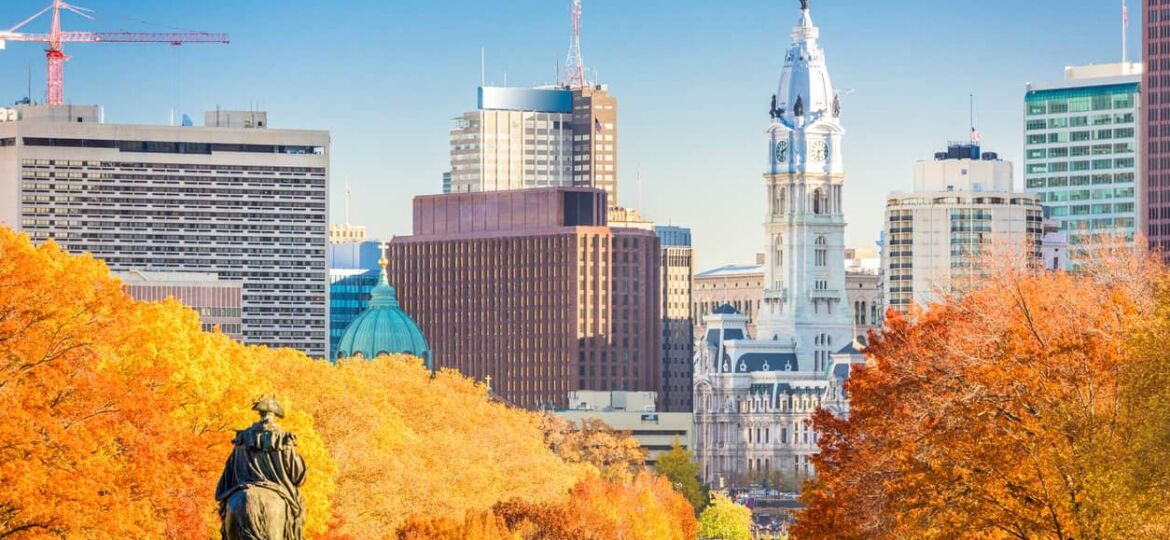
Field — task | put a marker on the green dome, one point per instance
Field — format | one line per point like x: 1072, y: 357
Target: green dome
x: 383, y: 328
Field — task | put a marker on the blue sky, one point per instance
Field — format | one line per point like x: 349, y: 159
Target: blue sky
x: 694, y: 78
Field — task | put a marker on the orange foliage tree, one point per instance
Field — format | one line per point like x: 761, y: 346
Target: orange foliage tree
x: 645, y: 508
x: 1000, y: 415
x: 117, y: 415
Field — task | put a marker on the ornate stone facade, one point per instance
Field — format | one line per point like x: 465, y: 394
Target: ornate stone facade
x: 753, y: 396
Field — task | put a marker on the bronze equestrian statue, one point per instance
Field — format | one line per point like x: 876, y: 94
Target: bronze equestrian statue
x: 259, y: 492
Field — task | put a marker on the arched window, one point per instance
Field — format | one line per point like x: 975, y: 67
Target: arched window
x: 821, y: 253
x: 818, y: 201
x: 782, y: 202
x: 862, y: 311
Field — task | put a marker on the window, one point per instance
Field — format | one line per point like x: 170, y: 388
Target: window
x: 821, y: 254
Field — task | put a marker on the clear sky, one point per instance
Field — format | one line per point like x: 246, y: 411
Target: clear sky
x: 693, y: 77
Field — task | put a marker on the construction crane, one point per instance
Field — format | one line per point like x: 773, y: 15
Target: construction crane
x: 55, y: 57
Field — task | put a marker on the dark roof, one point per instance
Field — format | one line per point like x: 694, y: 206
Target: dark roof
x: 841, y: 371
x: 725, y: 309
x: 728, y: 334
x: 851, y: 348
x: 767, y: 362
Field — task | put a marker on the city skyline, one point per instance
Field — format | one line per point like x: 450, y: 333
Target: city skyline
x: 692, y: 139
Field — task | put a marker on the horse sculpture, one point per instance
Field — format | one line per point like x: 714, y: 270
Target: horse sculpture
x: 259, y: 491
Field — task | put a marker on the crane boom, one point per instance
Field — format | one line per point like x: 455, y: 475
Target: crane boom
x: 174, y: 38
x: 56, y: 58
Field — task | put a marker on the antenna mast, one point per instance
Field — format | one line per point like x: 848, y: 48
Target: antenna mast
x: 575, y: 65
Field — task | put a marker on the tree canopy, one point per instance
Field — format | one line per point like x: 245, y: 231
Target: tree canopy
x: 1034, y: 406
x: 118, y: 415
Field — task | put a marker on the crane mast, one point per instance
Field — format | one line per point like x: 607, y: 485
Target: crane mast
x: 55, y: 56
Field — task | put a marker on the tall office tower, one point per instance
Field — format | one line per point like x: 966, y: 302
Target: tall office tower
x: 1082, y: 156
x: 595, y: 139
x: 239, y: 200
x: 753, y: 397
x: 1155, y: 141
x: 534, y: 289
x: 678, y: 341
x: 938, y: 236
x: 518, y: 138
x: 217, y: 302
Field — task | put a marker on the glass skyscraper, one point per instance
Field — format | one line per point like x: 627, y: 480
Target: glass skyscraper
x: 1081, y: 152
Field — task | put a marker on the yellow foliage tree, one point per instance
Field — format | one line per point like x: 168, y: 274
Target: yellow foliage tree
x: 118, y: 414
x: 409, y: 443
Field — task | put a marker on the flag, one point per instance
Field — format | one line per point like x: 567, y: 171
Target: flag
x: 975, y: 136
x: 597, y: 125
x: 1124, y: 14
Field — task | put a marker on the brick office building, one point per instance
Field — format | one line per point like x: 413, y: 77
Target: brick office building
x: 534, y: 289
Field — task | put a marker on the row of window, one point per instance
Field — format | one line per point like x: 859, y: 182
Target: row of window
x: 1080, y: 136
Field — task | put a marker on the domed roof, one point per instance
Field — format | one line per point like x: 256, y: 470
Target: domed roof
x: 805, y: 94
x: 383, y: 328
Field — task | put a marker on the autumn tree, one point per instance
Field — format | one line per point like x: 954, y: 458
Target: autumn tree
x: 724, y: 519
x: 1027, y: 408
x: 616, y: 455
x: 411, y: 443
x: 678, y: 465
x: 117, y: 415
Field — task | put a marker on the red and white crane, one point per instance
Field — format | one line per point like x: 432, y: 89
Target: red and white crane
x: 54, y: 90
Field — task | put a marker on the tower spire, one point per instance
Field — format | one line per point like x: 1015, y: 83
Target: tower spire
x: 575, y: 66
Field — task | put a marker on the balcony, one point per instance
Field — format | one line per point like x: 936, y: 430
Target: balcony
x: 776, y: 295
x: 825, y: 294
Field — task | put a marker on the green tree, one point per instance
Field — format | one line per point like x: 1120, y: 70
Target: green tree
x: 725, y: 520
x: 679, y: 466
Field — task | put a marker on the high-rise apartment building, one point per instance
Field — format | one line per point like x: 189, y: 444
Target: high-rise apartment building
x: 1082, y: 156
x: 236, y: 199
x: 595, y: 139
x: 937, y: 237
x: 518, y: 138
x: 534, y: 289
x: 678, y: 342
x: 217, y: 302
x: 1155, y: 125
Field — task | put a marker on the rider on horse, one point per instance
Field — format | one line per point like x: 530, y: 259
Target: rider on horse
x: 264, y: 458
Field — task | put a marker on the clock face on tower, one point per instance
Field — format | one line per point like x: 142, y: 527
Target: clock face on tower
x: 818, y: 151
x: 782, y: 151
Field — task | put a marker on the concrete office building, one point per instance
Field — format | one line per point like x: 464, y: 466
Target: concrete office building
x: 962, y: 206
x: 218, y: 302
x: 518, y: 138
x: 636, y: 413
x: 534, y: 289
x: 1082, y: 156
x: 595, y: 139
x: 240, y: 200
x: 1155, y: 123
x: 678, y: 342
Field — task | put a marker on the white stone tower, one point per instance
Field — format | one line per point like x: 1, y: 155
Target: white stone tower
x: 804, y: 300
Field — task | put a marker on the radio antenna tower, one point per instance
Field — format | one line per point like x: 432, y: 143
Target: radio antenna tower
x: 575, y: 65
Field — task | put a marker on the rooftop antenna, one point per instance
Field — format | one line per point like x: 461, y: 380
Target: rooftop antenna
x: 638, y: 177
x: 975, y: 136
x: 1124, y: 33
x: 347, y: 197
x: 575, y: 66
